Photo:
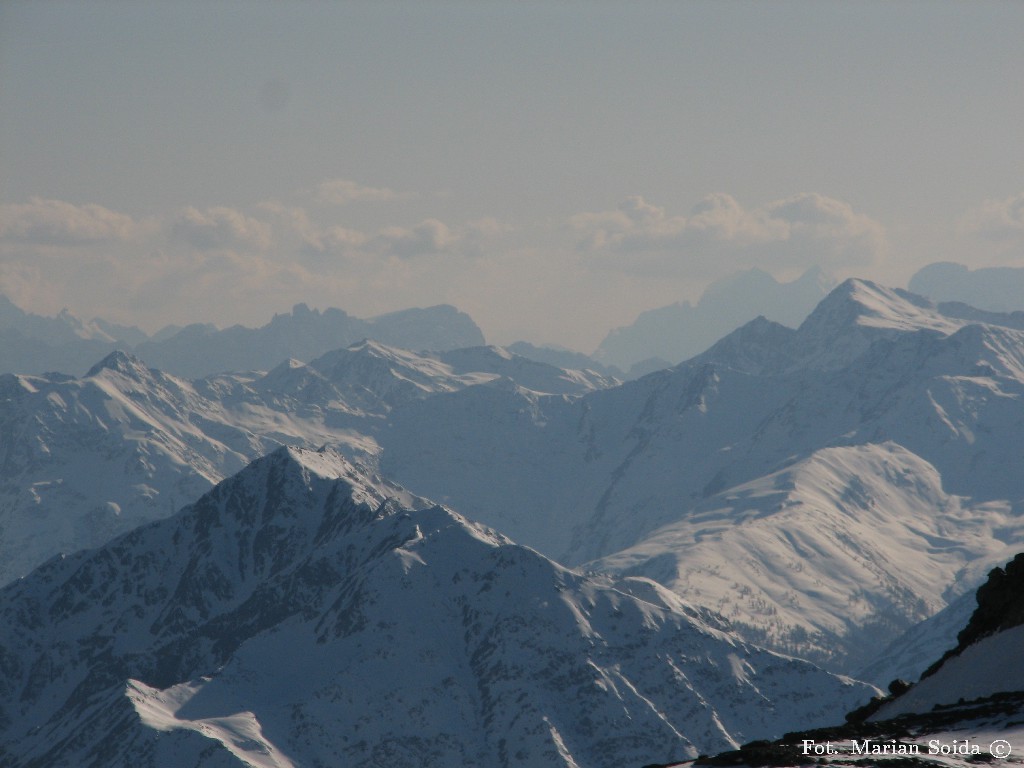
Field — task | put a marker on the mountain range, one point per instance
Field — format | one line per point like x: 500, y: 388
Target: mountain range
x: 33, y: 344
x: 658, y: 338
x: 82, y: 459
x: 812, y: 491
x: 881, y: 433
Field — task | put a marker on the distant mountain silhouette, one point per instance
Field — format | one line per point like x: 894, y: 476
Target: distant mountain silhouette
x: 999, y: 289
x: 680, y: 331
x: 304, y: 333
x: 34, y: 344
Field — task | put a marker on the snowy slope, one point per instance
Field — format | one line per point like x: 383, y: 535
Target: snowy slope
x: 378, y: 377
x: 829, y: 555
x: 308, y: 613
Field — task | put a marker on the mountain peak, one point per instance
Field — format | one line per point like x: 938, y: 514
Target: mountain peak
x: 310, y: 467
x: 856, y: 314
x: 120, y: 362
x: 868, y: 304
x: 372, y: 347
x: 754, y: 347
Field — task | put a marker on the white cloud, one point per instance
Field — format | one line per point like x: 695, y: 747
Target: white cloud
x: 344, y: 191
x: 333, y: 241
x: 429, y: 237
x: 829, y: 227
x: 228, y: 265
x: 219, y: 227
x: 58, y: 223
x: 1000, y: 220
x: 794, y: 232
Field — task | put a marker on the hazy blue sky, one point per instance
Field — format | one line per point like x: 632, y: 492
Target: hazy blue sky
x: 551, y: 168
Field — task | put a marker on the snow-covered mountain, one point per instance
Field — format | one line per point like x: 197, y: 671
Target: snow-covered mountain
x: 381, y: 377
x: 878, y: 406
x: 84, y: 459
x: 855, y: 315
x: 830, y: 553
x: 308, y: 613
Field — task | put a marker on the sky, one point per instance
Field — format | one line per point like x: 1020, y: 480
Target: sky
x: 553, y: 169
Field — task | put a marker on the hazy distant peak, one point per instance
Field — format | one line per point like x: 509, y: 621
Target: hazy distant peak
x: 114, y: 332
x: 9, y: 308
x: 307, y: 334
x: 853, y: 316
x: 681, y: 330
x: 749, y: 280
x: 368, y: 349
x: 472, y: 355
x: 998, y: 289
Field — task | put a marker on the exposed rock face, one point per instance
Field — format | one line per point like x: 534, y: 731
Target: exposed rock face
x: 1000, y: 607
